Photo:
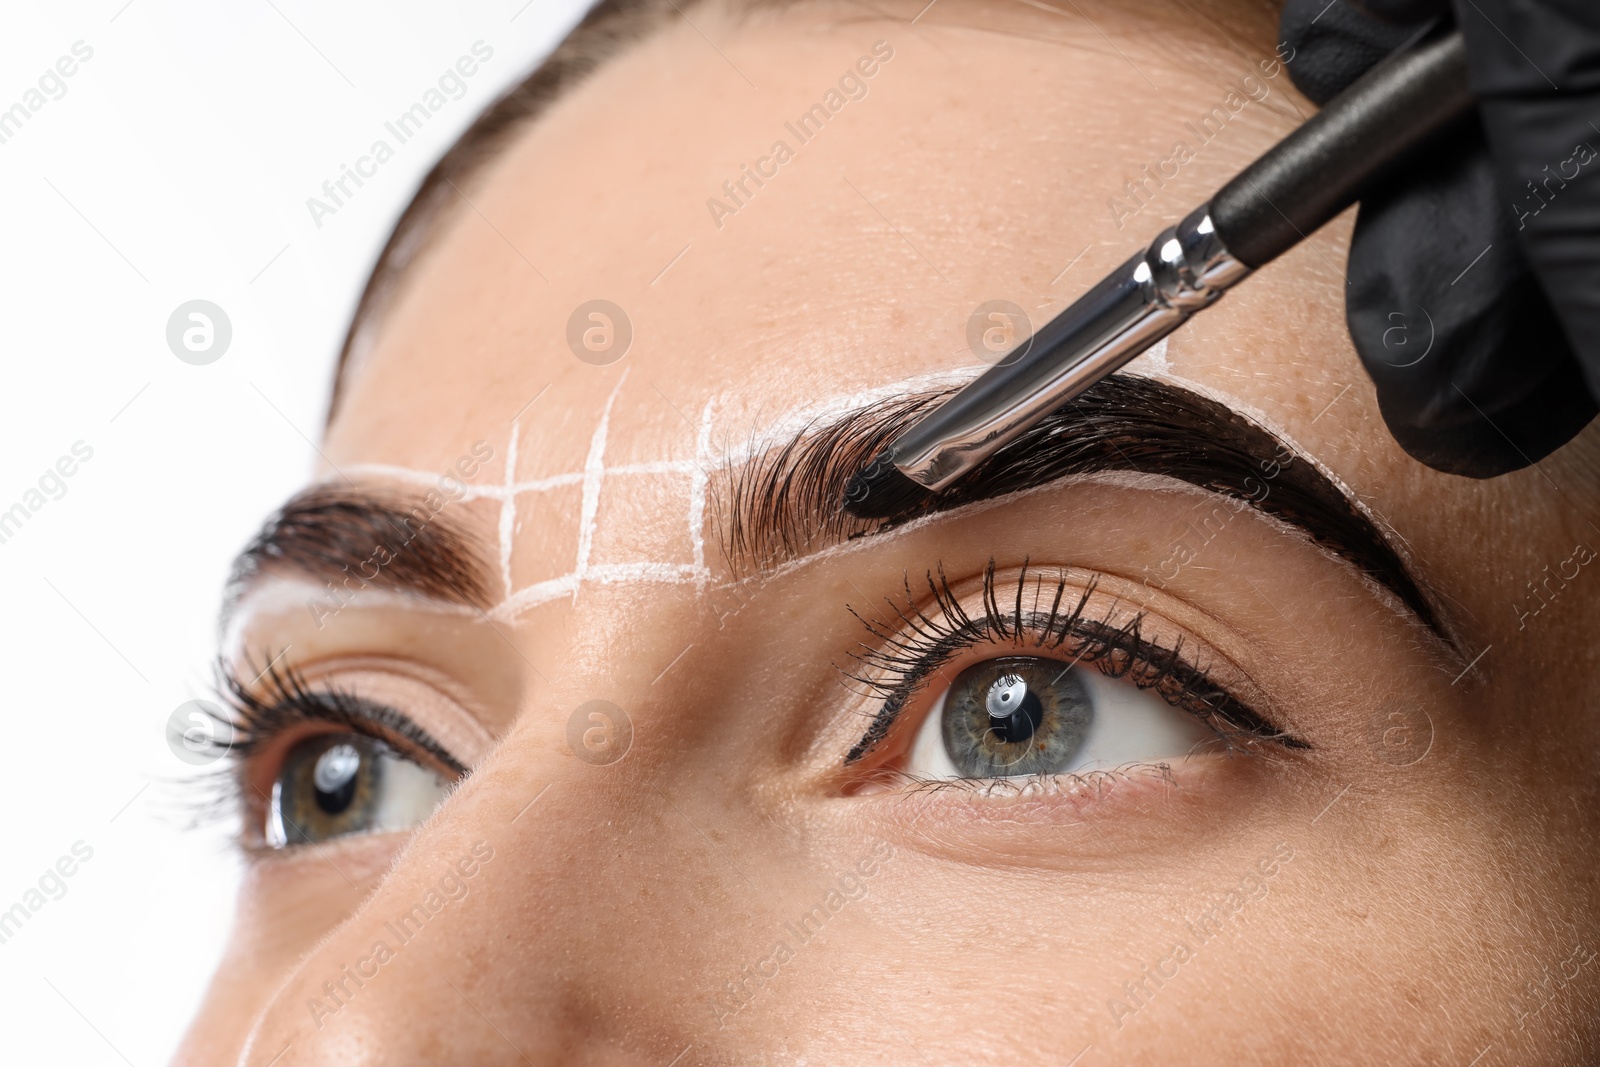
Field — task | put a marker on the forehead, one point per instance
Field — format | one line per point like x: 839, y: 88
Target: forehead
x: 776, y: 225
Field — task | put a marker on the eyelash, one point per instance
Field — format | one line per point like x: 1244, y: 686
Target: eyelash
x: 900, y: 665
x: 259, y: 712
x: 903, y: 659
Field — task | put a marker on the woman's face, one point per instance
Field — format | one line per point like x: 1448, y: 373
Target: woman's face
x: 1115, y: 769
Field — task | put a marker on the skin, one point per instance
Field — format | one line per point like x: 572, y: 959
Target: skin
x: 1418, y: 902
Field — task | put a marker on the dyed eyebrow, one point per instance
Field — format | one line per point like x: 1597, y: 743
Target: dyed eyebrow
x: 788, y: 501
x: 391, y: 541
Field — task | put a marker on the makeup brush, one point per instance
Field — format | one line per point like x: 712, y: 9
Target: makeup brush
x: 1306, y: 179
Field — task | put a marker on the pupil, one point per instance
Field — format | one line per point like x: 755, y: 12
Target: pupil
x: 1015, y: 712
x: 335, y: 778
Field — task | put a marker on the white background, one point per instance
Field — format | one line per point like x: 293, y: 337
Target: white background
x: 176, y: 166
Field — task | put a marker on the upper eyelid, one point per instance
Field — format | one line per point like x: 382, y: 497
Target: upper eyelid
x: 286, y: 690
x: 1235, y: 715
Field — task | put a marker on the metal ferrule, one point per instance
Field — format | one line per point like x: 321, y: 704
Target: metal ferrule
x: 1184, y: 269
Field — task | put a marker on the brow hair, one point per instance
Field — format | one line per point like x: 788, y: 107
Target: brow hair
x: 321, y: 530
x: 788, y: 501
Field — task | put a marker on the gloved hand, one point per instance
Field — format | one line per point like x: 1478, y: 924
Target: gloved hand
x: 1474, y: 295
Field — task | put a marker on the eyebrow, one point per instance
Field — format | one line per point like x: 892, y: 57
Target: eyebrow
x: 362, y: 538
x: 788, y: 501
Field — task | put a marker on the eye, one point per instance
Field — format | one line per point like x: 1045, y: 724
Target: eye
x: 1031, y: 715
x: 1066, y: 689
x: 336, y: 784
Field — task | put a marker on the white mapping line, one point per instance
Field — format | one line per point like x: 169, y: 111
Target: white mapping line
x: 1151, y: 363
x: 594, y: 473
x: 697, y: 492
x: 532, y: 596
x: 508, y: 511
x: 500, y: 492
x: 783, y: 430
x: 775, y: 434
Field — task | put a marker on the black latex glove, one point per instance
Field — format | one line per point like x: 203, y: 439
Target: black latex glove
x: 1474, y: 296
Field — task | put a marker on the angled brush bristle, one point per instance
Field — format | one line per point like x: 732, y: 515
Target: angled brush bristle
x: 880, y: 491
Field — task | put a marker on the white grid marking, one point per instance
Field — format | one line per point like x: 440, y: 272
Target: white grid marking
x: 594, y: 475
x: 697, y: 493
x: 589, y: 480
x: 502, y: 491
x: 508, y: 511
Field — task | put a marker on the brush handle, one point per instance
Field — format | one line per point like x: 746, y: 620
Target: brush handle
x: 1330, y: 161
x: 1185, y: 268
x: 1308, y: 178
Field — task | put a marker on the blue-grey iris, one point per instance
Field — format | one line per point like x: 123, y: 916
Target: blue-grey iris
x: 1015, y: 715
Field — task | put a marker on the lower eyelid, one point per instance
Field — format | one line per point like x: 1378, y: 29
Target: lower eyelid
x: 973, y: 820
x: 1084, y: 786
